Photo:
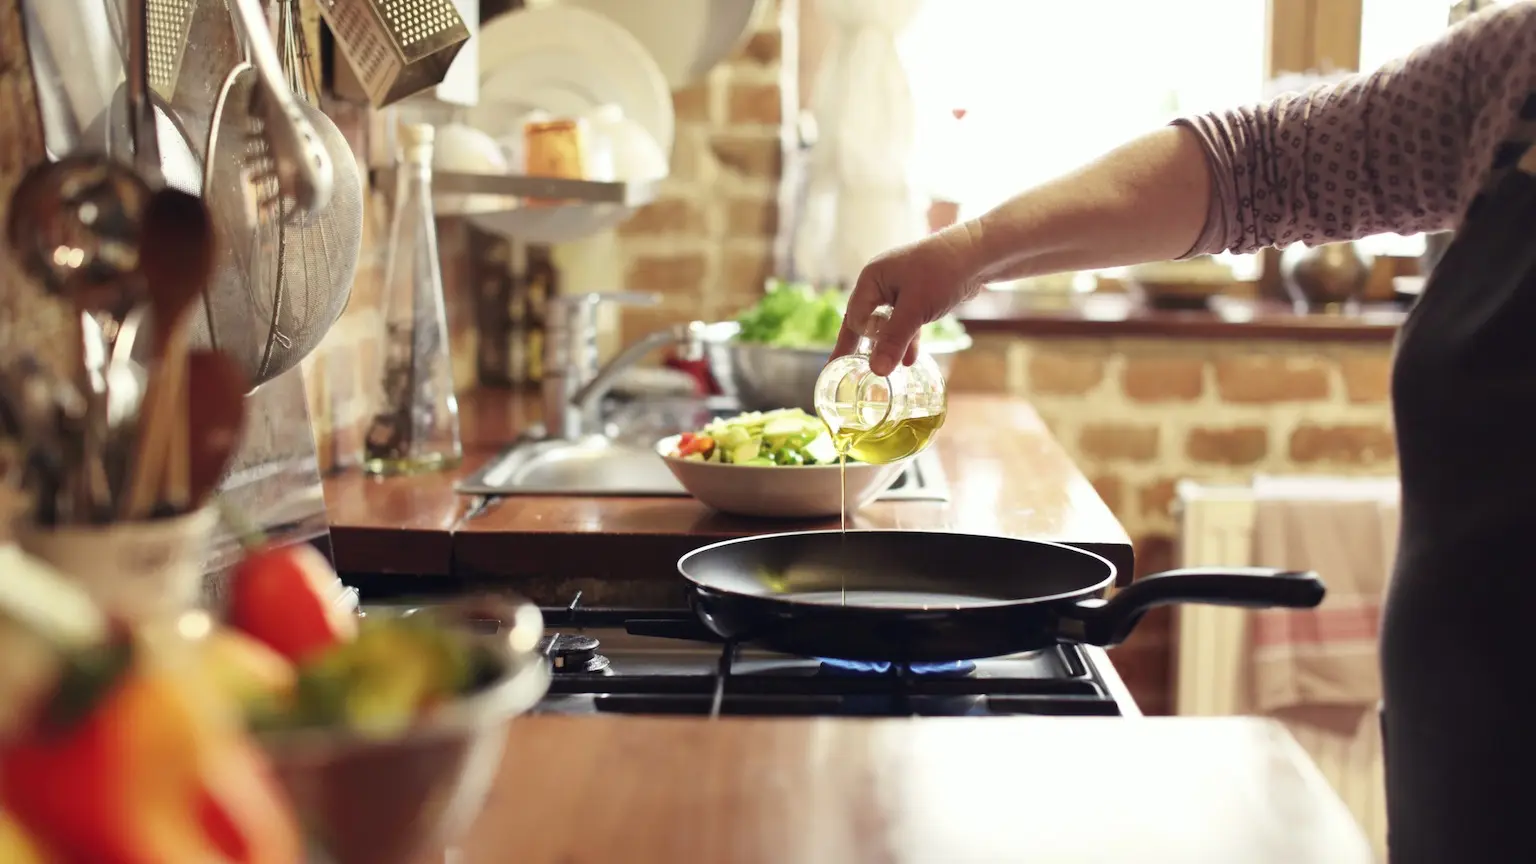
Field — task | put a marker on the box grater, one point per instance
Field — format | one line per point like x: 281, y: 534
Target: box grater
x: 169, y: 23
x: 396, y: 47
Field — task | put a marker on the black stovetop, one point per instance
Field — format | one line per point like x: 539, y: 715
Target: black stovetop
x: 627, y: 661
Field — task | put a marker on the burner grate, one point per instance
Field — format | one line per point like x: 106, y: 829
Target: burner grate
x: 672, y: 671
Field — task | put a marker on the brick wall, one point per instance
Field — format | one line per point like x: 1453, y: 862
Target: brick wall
x: 1138, y: 415
x: 706, y: 244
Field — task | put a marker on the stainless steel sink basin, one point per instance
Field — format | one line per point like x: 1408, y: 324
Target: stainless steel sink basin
x: 590, y: 466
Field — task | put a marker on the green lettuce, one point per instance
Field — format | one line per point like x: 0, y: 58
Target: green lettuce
x: 797, y: 315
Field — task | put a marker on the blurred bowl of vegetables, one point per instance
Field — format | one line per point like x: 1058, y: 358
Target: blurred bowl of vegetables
x: 772, y: 464
x: 388, y: 743
x: 770, y: 355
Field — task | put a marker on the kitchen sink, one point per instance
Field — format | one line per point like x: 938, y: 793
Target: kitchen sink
x: 624, y: 462
x: 589, y: 466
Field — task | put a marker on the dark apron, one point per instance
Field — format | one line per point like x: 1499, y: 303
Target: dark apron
x: 1459, y: 683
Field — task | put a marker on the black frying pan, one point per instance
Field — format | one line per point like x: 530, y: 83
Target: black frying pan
x: 931, y: 597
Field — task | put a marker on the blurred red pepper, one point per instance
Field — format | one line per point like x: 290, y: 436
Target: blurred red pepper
x: 135, y: 768
x: 289, y: 598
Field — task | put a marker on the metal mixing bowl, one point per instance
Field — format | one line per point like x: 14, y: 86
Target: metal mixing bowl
x: 393, y: 800
x: 764, y: 377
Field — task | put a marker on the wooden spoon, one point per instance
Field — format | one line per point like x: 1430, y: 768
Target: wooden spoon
x: 176, y: 259
x: 216, y: 388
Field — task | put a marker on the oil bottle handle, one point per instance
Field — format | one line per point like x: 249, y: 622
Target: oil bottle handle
x: 877, y: 321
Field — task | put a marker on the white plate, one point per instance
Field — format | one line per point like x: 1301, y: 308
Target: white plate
x: 779, y: 491
x: 687, y: 37
x: 567, y: 61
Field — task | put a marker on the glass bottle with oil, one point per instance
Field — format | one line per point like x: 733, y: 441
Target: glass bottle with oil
x: 879, y: 419
x: 416, y: 427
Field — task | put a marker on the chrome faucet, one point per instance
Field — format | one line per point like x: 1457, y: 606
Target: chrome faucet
x: 574, y: 386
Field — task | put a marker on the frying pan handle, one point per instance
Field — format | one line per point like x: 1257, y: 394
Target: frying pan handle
x: 1099, y: 622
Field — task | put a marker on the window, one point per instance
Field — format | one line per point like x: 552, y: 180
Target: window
x: 1046, y: 86
x: 1042, y: 87
x: 1391, y: 28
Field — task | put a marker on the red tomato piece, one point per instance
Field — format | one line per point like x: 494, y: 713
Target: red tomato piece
x: 289, y: 598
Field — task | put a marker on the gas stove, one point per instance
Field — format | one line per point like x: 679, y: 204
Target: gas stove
x: 632, y: 661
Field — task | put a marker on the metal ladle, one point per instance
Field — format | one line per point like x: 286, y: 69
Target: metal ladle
x: 74, y: 226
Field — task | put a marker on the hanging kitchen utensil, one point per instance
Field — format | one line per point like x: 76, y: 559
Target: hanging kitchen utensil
x: 317, y: 261
x: 169, y: 35
x: 933, y: 597
x: 141, y: 111
x: 177, y: 259
x: 396, y: 47
x: 236, y: 311
x: 170, y: 22
x: 297, y: 163
x: 278, y: 287
x: 170, y: 25
x: 137, y: 126
x: 111, y: 133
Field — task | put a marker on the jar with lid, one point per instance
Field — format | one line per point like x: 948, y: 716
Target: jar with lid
x: 880, y: 419
x: 416, y: 424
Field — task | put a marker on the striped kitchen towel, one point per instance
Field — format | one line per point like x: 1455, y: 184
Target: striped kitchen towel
x: 1345, y: 529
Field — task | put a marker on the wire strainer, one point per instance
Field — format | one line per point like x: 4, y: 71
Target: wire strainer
x: 277, y: 287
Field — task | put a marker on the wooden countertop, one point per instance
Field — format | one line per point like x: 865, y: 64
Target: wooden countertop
x: 936, y: 791
x: 1007, y: 476
x: 1092, y: 316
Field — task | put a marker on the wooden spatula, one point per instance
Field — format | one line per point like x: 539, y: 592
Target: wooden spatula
x: 216, y: 389
x: 176, y: 258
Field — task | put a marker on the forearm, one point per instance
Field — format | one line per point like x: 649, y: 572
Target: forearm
x: 1143, y: 201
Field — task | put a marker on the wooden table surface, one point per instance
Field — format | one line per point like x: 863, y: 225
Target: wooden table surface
x: 575, y: 790
x: 1007, y: 476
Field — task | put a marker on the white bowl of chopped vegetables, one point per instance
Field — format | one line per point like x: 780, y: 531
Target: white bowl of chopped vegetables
x: 770, y: 355
x: 778, y: 464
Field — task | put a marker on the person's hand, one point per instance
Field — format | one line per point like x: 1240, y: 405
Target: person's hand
x: 922, y: 282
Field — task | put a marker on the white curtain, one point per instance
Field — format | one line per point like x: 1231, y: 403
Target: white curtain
x: 860, y: 199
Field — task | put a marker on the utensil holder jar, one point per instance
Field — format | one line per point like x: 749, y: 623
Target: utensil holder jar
x: 137, y: 571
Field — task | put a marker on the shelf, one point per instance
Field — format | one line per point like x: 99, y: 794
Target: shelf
x: 547, y: 188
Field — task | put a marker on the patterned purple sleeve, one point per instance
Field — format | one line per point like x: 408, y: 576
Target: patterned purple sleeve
x: 1402, y: 149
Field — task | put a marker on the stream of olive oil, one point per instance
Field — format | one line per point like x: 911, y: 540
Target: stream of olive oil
x: 881, y: 445
x: 842, y: 503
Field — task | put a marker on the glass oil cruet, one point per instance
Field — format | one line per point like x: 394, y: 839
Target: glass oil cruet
x: 880, y: 419
x: 416, y: 424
